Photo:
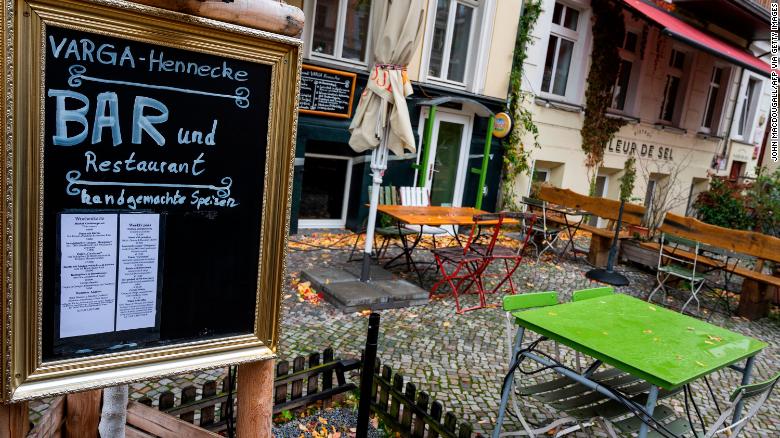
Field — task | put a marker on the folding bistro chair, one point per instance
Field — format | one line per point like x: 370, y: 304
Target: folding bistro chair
x: 730, y: 422
x: 462, y: 267
x: 671, y: 266
x: 509, y: 257
x: 544, y: 235
x: 388, y: 195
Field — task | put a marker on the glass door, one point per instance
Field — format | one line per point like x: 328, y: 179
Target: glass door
x: 448, y: 158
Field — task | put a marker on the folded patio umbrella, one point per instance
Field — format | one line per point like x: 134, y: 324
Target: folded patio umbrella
x: 381, y: 121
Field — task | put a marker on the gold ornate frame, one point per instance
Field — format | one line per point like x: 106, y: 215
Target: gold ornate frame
x: 24, y: 375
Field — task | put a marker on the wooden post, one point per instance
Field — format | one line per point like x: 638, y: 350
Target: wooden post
x: 755, y: 297
x: 14, y: 420
x: 254, y: 395
x: 82, y: 414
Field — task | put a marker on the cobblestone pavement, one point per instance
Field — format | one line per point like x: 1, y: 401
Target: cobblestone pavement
x: 461, y: 359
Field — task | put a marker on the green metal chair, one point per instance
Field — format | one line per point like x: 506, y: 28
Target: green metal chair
x: 595, y: 292
x: 581, y: 406
x: 755, y: 394
x: 671, y: 265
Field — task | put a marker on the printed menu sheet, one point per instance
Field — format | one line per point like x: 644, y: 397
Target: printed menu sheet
x: 139, y: 247
x: 87, y: 273
x: 108, y: 272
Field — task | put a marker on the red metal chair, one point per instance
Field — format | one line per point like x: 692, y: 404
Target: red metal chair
x: 462, y: 268
x: 510, y: 257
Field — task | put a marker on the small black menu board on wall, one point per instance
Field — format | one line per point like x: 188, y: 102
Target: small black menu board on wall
x: 327, y: 92
x: 154, y: 164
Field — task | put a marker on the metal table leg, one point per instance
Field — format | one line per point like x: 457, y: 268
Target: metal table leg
x: 508, y: 382
x: 745, y: 380
x: 652, y: 398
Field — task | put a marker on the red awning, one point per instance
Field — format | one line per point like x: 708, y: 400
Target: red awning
x: 688, y: 34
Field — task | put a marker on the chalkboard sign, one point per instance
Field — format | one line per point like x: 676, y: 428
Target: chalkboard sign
x: 327, y: 92
x: 138, y: 136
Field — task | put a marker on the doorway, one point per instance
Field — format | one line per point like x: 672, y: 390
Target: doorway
x: 448, y: 157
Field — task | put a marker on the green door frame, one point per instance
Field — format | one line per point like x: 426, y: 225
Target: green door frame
x: 422, y: 168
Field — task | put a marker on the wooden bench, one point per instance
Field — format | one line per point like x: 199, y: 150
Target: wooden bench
x: 601, y: 238
x: 757, y: 288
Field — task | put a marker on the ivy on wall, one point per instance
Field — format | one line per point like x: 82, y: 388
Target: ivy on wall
x: 597, y: 128
x: 516, y: 153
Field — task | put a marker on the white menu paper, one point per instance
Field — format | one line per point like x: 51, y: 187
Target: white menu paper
x: 88, y: 246
x: 139, y: 249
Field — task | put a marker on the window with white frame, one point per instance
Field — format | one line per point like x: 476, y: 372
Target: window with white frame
x: 671, y: 105
x: 748, y: 107
x: 716, y: 96
x: 560, y: 49
x: 453, y: 28
x: 624, y: 85
x: 340, y: 30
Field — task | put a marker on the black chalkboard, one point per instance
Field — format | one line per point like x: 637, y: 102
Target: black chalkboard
x: 327, y: 92
x: 132, y: 127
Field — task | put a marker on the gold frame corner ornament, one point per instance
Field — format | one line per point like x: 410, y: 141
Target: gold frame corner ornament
x: 24, y: 374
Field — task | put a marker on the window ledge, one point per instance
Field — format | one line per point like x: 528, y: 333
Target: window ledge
x: 670, y: 128
x: 559, y: 104
x: 625, y: 118
x: 708, y: 136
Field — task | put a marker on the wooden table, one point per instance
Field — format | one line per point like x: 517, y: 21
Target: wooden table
x: 436, y: 216
x: 431, y: 216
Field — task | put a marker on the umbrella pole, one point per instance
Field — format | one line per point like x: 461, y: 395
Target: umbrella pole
x: 378, y: 166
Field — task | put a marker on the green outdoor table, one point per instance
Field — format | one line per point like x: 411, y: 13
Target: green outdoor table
x: 665, y: 348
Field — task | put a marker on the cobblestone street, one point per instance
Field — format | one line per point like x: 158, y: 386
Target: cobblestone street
x: 461, y: 359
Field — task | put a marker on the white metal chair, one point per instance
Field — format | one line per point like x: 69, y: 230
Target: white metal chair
x: 671, y: 264
x: 418, y: 197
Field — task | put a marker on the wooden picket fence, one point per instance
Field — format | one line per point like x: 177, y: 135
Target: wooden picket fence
x: 408, y: 412
x: 315, y: 373
x: 311, y: 379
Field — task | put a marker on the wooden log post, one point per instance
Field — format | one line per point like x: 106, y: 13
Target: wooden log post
x: 269, y: 15
x: 82, y: 414
x: 255, y: 391
x: 755, y: 297
x: 14, y: 420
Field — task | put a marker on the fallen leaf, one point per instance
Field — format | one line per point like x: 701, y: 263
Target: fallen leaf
x: 647, y: 332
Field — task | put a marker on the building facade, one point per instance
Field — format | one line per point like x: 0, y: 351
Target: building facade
x: 691, y: 87
x: 465, y: 54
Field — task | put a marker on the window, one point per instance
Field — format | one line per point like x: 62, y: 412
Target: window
x: 749, y: 104
x: 541, y: 175
x: 623, y: 84
x: 672, y: 99
x: 716, y: 94
x: 452, y: 29
x: 560, y: 49
x: 340, y: 29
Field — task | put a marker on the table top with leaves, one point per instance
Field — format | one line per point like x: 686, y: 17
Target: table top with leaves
x: 665, y: 348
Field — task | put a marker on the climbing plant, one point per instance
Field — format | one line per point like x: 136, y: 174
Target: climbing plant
x: 516, y: 153
x: 597, y: 128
